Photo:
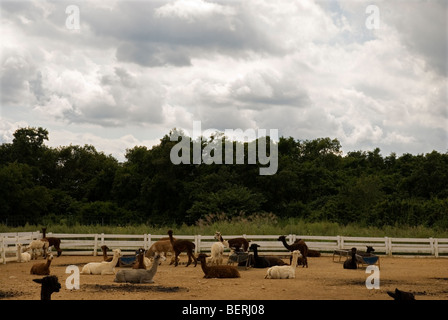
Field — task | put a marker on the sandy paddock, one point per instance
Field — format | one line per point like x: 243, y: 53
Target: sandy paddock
x: 323, y: 280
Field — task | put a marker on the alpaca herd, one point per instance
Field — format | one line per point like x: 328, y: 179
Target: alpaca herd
x: 145, y: 267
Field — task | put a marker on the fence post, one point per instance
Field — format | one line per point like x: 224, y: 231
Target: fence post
x: 436, y: 247
x: 197, y: 242
x: 95, y: 245
x: 2, y: 249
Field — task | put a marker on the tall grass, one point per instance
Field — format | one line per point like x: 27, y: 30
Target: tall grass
x: 260, y: 224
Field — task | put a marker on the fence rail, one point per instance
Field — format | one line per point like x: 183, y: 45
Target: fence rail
x: 90, y: 244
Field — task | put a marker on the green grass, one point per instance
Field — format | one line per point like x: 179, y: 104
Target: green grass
x: 259, y: 224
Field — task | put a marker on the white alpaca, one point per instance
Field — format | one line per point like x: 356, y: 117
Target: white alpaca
x: 102, y: 267
x: 22, y: 256
x: 37, y: 247
x: 217, y: 250
x: 284, y: 272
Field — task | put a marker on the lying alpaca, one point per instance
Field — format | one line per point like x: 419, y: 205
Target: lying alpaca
x: 284, y: 272
x: 217, y: 271
x: 350, y: 263
x: 401, y: 295
x: 367, y: 253
x: 49, y: 284
x: 259, y: 262
x: 139, y: 275
x: 180, y: 246
x: 102, y: 267
x: 142, y: 262
x: 42, y: 268
x: 22, y: 256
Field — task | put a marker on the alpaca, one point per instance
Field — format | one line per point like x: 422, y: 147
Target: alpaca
x: 236, y: 243
x: 259, y: 262
x: 140, y: 263
x: 139, y: 275
x: 367, y: 253
x: 217, y: 271
x: 297, y: 245
x: 42, y: 268
x: 217, y: 250
x: 284, y: 272
x: 52, y: 241
x: 37, y: 247
x: 102, y: 267
x: 350, y: 263
x: 401, y: 295
x: 22, y: 256
x: 180, y: 246
x: 49, y: 284
x: 161, y: 246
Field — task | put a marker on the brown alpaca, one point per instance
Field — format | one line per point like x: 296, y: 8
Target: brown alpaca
x: 298, y: 245
x: 140, y: 264
x: 180, y: 246
x: 42, y: 268
x: 236, y: 243
x: 220, y: 271
x: 52, y: 241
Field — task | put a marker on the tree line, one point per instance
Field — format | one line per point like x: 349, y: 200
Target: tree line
x: 314, y: 182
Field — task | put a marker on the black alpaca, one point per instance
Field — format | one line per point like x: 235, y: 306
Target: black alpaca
x: 350, y: 263
x: 259, y: 262
x: 49, y: 284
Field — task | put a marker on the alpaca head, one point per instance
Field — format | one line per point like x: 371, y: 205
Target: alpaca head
x: 254, y: 246
x: 218, y: 235
x: 104, y: 248
x: 117, y: 252
x: 170, y: 232
x: 370, y: 249
x: 49, y: 283
x: 281, y: 238
x: 202, y: 256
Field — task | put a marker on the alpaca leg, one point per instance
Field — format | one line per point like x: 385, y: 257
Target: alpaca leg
x: 189, y: 259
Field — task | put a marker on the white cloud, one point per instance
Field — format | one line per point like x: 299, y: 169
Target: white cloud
x: 308, y: 68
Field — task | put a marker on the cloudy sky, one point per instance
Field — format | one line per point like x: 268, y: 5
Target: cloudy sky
x: 133, y: 70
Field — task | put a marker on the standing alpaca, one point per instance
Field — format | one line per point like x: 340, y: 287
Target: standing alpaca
x: 350, y: 263
x: 102, y: 267
x: 162, y: 246
x: 236, y: 243
x: 259, y: 262
x: 284, y: 272
x: 139, y: 275
x: 52, y: 241
x: 49, y: 284
x: 298, y: 245
x: 217, y: 271
x: 217, y: 251
x: 180, y: 246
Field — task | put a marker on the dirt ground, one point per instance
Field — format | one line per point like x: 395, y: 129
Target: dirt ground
x: 427, y: 278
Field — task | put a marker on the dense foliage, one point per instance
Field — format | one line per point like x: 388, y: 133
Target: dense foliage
x: 314, y: 182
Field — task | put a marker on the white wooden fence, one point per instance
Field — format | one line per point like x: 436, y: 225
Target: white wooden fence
x: 90, y: 244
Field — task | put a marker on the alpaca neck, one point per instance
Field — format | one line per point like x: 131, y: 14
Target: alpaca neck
x: 204, y: 266
x: 114, y: 260
x: 155, y: 264
x: 255, y: 253
x: 45, y: 294
x: 287, y: 246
